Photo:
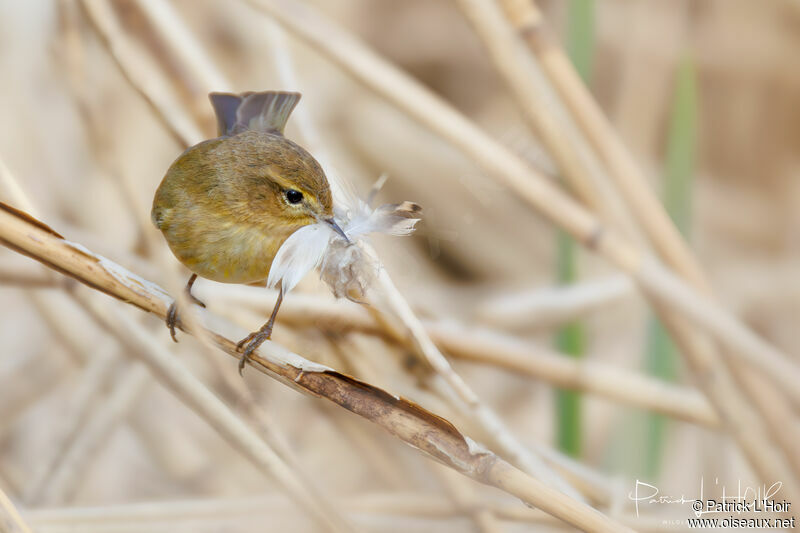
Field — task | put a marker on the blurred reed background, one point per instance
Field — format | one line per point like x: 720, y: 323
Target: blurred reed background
x: 99, y: 97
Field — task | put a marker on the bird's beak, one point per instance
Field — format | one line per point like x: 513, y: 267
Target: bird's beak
x: 332, y: 223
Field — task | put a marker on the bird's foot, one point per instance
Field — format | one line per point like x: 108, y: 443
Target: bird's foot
x: 251, y: 343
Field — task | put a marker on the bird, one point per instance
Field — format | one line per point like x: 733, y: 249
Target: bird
x: 226, y: 205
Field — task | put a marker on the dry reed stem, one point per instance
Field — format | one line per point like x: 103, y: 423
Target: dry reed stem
x: 490, y: 347
x: 492, y: 424
x: 590, y: 483
x: 499, y: 38
x: 741, y: 420
x: 383, y: 461
x: 407, y: 421
x: 432, y: 505
x: 13, y: 514
x: 784, y: 422
x: 429, y: 110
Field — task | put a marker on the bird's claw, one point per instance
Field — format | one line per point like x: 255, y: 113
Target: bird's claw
x: 172, y: 320
x: 196, y: 300
x: 249, y: 344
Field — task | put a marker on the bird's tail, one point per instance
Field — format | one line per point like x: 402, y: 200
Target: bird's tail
x: 266, y: 111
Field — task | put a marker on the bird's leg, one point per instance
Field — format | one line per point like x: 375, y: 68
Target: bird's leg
x: 191, y: 296
x: 172, y: 312
x: 257, y: 338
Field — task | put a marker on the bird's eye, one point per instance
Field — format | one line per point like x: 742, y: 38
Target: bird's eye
x: 293, y: 196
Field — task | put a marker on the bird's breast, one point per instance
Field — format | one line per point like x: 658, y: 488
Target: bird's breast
x: 227, y: 252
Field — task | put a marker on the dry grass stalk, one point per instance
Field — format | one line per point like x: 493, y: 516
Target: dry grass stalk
x: 206, y: 74
x: 405, y: 420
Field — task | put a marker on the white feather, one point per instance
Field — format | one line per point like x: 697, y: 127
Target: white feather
x: 300, y: 253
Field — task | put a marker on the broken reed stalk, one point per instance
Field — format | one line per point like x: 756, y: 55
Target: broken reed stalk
x: 405, y: 420
x: 747, y: 420
x: 134, y: 69
x: 488, y: 347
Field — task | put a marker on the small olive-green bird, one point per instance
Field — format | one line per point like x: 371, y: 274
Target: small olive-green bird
x: 226, y: 205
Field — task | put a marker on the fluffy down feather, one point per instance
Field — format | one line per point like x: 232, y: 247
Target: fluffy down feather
x: 344, y: 265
